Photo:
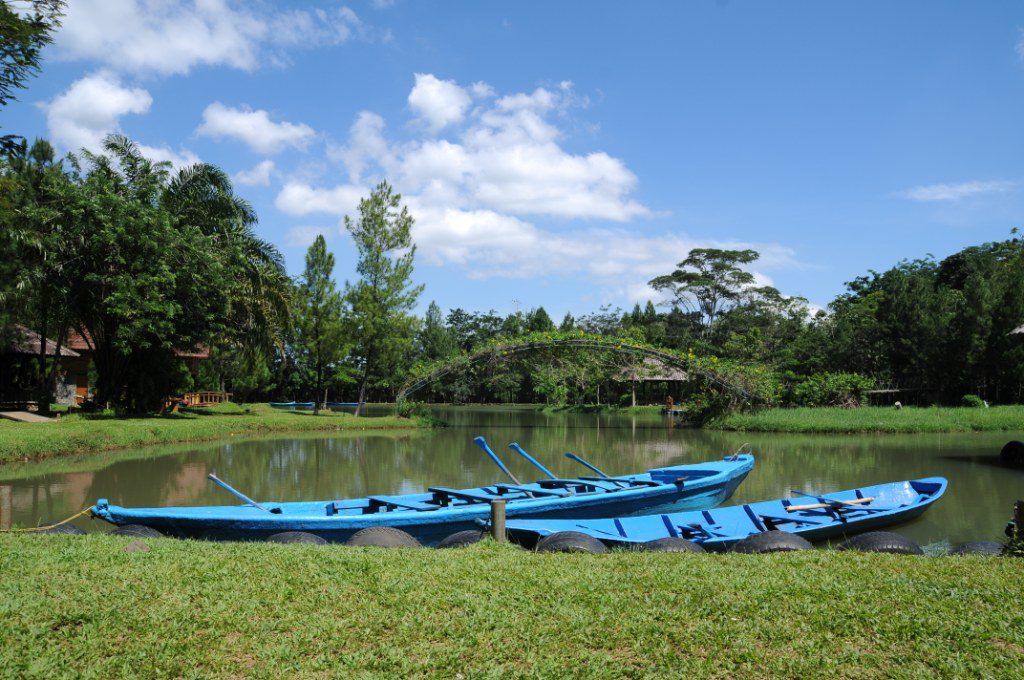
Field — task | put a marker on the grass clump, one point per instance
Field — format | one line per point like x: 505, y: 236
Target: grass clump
x: 874, y: 419
x: 89, y: 433
x: 83, y: 606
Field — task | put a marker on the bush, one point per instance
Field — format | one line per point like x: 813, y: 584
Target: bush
x: 832, y: 389
x: 972, y: 401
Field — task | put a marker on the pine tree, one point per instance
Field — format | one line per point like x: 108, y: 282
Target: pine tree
x: 318, y: 321
x: 379, y: 304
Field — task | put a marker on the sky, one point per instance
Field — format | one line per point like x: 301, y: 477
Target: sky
x: 563, y: 154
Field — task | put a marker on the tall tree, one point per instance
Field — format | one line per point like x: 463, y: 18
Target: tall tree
x: 23, y: 35
x: 708, y: 282
x: 435, y: 341
x: 318, y: 321
x: 380, y: 302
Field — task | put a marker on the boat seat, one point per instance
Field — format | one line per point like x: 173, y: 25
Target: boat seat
x: 377, y: 502
x: 471, y: 496
x: 578, y: 482
x: 528, y: 490
x: 626, y: 480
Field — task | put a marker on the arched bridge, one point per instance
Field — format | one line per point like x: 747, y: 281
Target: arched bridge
x: 595, y: 343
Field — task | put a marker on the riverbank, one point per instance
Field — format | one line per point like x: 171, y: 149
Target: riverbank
x: 81, y: 433
x: 83, y: 606
x: 869, y: 419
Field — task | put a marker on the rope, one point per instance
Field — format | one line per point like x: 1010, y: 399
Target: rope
x: 50, y: 526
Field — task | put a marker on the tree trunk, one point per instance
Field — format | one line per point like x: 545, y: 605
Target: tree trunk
x: 362, y: 391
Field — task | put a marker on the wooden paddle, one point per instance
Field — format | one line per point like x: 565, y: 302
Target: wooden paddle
x: 815, y: 506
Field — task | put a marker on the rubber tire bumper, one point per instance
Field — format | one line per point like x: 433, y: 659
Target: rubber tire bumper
x: 771, y: 542
x: 303, y: 537
x: 673, y: 544
x: 571, y: 542
x: 883, y: 542
x: 461, y: 539
x: 991, y: 548
x: 136, y: 531
x: 383, y: 537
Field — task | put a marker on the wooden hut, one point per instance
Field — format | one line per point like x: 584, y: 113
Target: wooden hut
x: 652, y: 370
x: 18, y: 368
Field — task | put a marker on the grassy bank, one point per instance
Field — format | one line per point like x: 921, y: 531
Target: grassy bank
x: 875, y: 419
x: 75, y: 434
x: 83, y: 606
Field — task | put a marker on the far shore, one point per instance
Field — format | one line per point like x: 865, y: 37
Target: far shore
x: 80, y: 433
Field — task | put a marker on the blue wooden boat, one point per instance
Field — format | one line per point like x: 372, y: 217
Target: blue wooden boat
x: 292, y: 405
x: 441, y: 511
x: 815, y: 518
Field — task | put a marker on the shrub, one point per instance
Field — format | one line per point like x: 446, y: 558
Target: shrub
x: 832, y: 389
x: 972, y: 401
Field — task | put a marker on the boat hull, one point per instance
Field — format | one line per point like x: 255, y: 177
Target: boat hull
x: 721, y: 528
x: 429, y: 527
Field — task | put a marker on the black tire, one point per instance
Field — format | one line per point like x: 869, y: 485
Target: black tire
x: 771, y: 542
x: 383, y: 537
x: 1013, y: 453
x: 990, y: 548
x: 883, y: 542
x: 461, y: 539
x: 65, y: 529
x: 571, y: 541
x: 673, y: 544
x: 136, y: 531
x: 297, y: 537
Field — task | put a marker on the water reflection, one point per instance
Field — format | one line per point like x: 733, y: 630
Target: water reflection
x: 320, y: 467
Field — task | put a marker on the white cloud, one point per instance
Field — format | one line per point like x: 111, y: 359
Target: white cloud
x: 258, y: 175
x: 177, y: 159
x: 301, y: 199
x: 169, y: 37
x: 505, y: 155
x: 91, y: 108
x: 955, y: 192
x: 1020, y: 45
x: 438, y: 103
x: 254, y: 128
x: 491, y: 192
x: 303, y: 236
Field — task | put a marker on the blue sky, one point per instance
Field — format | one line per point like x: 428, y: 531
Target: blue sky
x: 562, y: 154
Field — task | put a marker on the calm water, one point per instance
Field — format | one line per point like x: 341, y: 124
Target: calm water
x: 976, y: 506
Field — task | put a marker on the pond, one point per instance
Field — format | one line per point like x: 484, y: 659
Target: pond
x: 319, y: 466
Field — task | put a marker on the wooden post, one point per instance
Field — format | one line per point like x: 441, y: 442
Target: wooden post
x: 498, y: 521
x: 1018, y: 521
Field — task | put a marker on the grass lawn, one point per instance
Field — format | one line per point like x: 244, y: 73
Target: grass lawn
x: 79, y: 433
x: 875, y: 419
x: 83, y: 606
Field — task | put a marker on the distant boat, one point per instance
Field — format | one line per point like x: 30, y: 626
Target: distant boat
x: 293, y: 405
x: 441, y: 511
x: 815, y: 517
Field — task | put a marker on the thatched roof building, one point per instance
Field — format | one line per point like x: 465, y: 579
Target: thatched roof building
x: 653, y: 370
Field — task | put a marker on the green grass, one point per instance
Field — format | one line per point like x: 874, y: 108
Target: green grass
x: 85, y: 607
x: 77, y: 433
x: 875, y: 419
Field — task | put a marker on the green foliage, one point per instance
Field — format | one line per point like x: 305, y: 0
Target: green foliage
x: 23, y: 35
x: 972, y: 401
x: 320, y: 341
x: 873, y: 419
x: 144, y: 263
x: 380, y: 302
x: 832, y: 389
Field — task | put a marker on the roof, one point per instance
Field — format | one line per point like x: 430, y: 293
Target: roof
x: 654, y: 370
x: 83, y: 343
x: 25, y: 341
x: 1019, y: 330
